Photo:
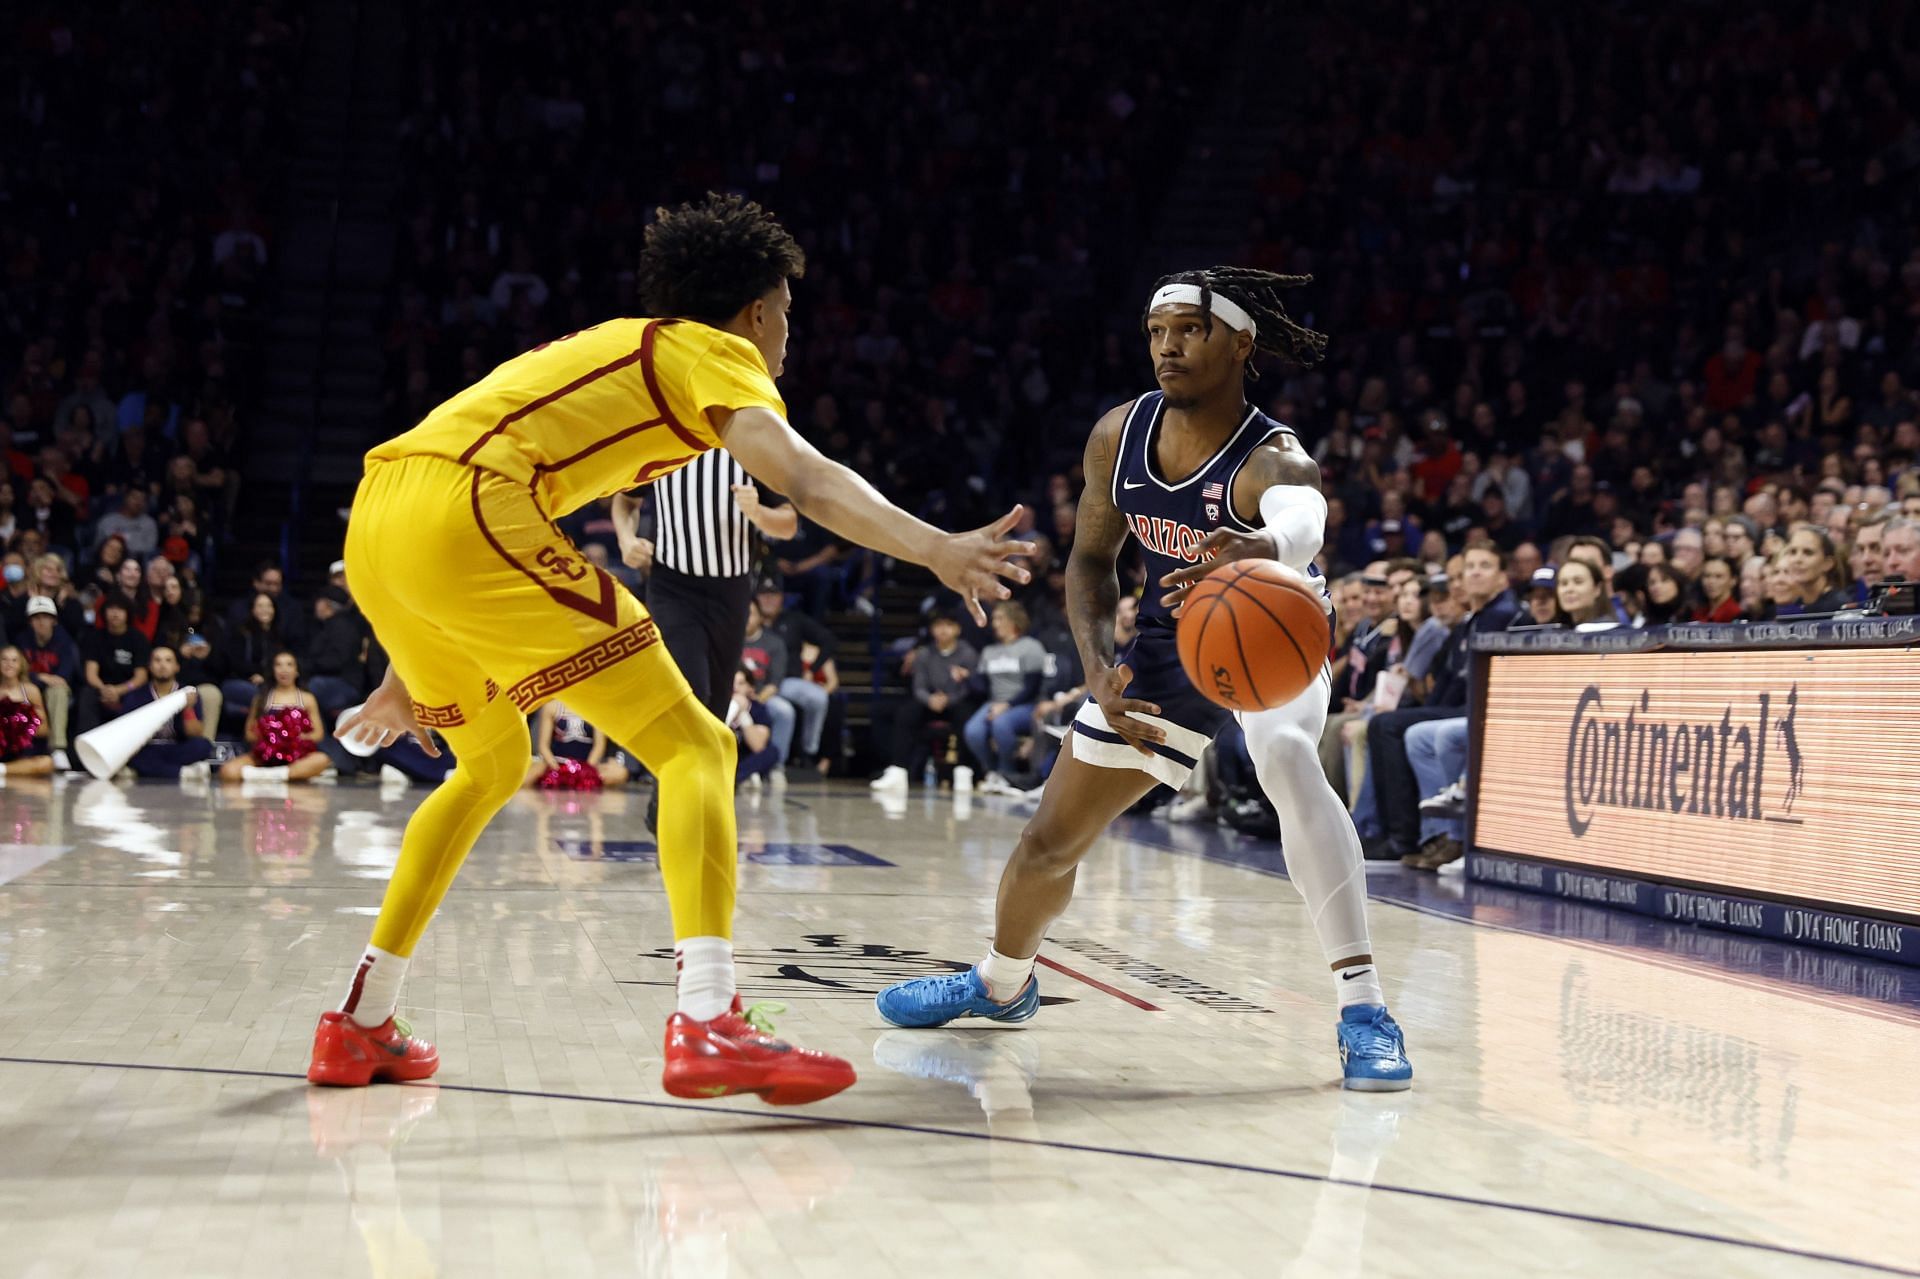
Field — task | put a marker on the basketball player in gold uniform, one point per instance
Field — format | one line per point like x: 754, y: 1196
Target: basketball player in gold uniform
x: 489, y: 611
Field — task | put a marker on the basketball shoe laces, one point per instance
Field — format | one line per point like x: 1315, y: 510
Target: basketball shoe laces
x: 760, y: 1015
x: 1374, y: 1041
x: 957, y: 986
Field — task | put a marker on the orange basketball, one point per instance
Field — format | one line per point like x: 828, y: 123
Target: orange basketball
x: 1253, y: 636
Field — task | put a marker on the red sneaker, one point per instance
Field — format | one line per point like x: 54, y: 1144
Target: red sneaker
x: 735, y: 1053
x: 352, y: 1056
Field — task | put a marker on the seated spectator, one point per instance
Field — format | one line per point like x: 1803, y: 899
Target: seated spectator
x: 1714, y: 592
x: 270, y: 581
x: 283, y: 731
x: 1437, y: 754
x: 1866, y: 558
x: 753, y: 727
x: 1815, y: 574
x: 180, y: 748
x: 250, y: 651
x: 180, y: 529
x: 143, y: 610
x: 1756, y: 582
x: 23, y: 720
x: 942, y: 669
x: 811, y: 677
x: 564, y: 743
x: 763, y: 655
x: 336, y: 654
x: 1543, y: 603
x: 1063, y: 690
x: 114, y: 660
x: 108, y: 556
x: 1666, y: 595
x: 1599, y: 556
x: 1901, y: 549
x: 131, y: 524
x: 15, y: 590
x: 1490, y: 605
x: 1584, y: 603
x: 1355, y: 669
x: 811, y: 565
x: 50, y: 579
x: 1009, y: 681
x: 1688, y: 552
x: 1742, y: 539
x: 53, y: 659
x: 46, y: 512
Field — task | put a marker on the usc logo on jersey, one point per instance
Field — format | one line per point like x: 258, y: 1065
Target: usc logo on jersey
x: 560, y: 564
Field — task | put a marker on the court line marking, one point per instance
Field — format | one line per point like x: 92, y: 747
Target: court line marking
x: 1041, y: 1143
x: 1097, y: 984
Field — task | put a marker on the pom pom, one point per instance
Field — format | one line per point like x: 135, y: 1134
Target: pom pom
x: 283, y: 731
x: 571, y: 774
x: 19, y: 724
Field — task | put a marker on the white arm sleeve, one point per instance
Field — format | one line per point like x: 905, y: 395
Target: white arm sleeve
x: 1296, y: 515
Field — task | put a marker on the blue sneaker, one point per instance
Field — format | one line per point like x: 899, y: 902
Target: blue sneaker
x: 935, y: 1001
x: 1373, y: 1052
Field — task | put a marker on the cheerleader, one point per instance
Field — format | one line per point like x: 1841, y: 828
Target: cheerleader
x: 23, y: 720
x: 573, y: 754
x: 283, y: 728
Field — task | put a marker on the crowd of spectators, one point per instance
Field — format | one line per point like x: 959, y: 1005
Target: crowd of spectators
x: 1591, y: 272
x: 138, y: 154
x: 1632, y: 297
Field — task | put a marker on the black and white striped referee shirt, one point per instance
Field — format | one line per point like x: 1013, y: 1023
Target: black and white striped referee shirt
x: 698, y: 528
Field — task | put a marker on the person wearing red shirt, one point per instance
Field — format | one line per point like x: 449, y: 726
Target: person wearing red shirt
x: 1731, y: 373
x: 1716, y: 593
x: 1440, y: 459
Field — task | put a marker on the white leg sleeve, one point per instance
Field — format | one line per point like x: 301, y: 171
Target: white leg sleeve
x: 1316, y: 832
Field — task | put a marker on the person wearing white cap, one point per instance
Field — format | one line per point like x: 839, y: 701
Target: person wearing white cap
x: 54, y: 660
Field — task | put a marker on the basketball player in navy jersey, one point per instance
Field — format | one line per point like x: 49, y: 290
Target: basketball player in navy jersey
x: 1198, y: 477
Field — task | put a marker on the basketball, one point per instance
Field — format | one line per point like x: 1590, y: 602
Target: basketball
x: 1253, y: 636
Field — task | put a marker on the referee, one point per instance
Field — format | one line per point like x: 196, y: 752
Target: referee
x: 699, y: 565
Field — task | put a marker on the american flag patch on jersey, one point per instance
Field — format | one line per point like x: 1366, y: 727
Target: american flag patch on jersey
x: 1211, y: 492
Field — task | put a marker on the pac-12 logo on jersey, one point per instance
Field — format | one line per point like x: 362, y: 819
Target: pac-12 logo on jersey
x: 1213, y: 495
x: 1167, y: 537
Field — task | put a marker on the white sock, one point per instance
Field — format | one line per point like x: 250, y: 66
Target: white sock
x: 1005, y: 976
x: 706, y: 976
x: 264, y: 773
x: 1358, y: 984
x: 1317, y: 838
x: 375, y: 990
x: 3, y: 770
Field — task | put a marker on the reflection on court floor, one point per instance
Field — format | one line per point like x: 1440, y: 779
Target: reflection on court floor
x: 1594, y: 1097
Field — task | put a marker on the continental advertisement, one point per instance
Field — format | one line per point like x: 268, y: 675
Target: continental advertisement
x: 1787, y: 776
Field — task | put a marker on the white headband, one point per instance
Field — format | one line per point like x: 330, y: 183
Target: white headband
x: 1189, y: 295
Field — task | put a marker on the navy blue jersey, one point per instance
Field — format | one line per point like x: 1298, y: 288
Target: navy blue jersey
x: 1171, y: 520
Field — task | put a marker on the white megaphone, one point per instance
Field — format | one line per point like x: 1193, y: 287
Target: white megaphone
x: 105, y: 750
x: 348, y: 731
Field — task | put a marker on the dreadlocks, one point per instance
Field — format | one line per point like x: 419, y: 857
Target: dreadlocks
x: 1258, y: 294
